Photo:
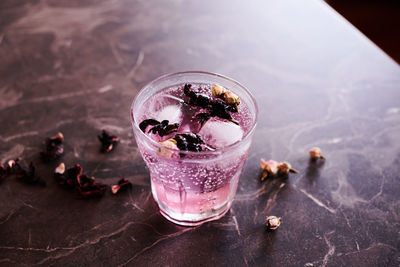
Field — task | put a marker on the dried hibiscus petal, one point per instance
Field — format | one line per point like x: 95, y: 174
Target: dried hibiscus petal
x: 143, y: 125
x: 73, y: 178
x: 215, y: 106
x: 3, y: 172
x: 87, y: 187
x: 68, y: 178
x: 164, y: 128
x: 189, y: 142
x: 203, y: 117
x: 54, y: 147
x: 108, y: 141
x: 123, y: 184
x: 27, y: 175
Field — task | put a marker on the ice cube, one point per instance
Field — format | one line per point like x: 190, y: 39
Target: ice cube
x: 219, y: 133
x: 172, y: 113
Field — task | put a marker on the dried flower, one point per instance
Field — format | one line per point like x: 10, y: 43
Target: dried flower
x: 189, y: 142
x: 273, y: 222
x: 285, y: 167
x: 27, y: 176
x: 218, y: 90
x: 60, y: 169
x: 269, y: 168
x: 108, y: 141
x: 87, y: 187
x: 73, y: 178
x: 232, y: 99
x: 11, y: 164
x: 3, y: 172
x: 315, y: 153
x: 54, y: 147
x: 143, y: 125
x: 162, y: 128
x: 215, y: 107
x: 123, y: 184
x: 68, y: 178
x: 166, y: 153
x: 7, y: 169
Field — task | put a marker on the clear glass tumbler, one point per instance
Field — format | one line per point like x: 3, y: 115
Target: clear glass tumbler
x: 197, y: 186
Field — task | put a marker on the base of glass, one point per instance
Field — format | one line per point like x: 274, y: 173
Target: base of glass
x: 187, y: 219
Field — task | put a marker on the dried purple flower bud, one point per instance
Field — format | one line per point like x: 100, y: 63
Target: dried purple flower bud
x: 273, y: 222
x: 54, y: 147
x: 123, y: 184
x: 108, y: 141
x: 315, y: 153
x: 285, y: 167
x: 269, y: 168
x: 218, y: 90
x: 27, y: 176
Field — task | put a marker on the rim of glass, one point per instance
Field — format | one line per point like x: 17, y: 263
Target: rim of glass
x: 217, y: 151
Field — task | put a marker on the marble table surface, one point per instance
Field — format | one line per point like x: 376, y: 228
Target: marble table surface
x: 76, y: 65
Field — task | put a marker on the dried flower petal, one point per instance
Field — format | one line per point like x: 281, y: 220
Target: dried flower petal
x: 27, y: 176
x: 269, y: 168
x: 7, y: 169
x: 72, y: 178
x: 166, y: 153
x: 54, y: 147
x: 189, y: 142
x: 68, y: 178
x: 164, y: 128
x: 87, y: 187
x: 217, y: 90
x: 3, y: 172
x: 123, y: 184
x: 273, y: 222
x: 215, y: 107
x: 315, y: 153
x: 60, y: 169
x: 108, y: 141
x: 285, y: 167
x: 143, y: 125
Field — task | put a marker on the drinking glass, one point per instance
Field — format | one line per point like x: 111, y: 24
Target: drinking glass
x: 196, y: 186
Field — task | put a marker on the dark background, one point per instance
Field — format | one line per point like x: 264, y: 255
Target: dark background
x: 379, y: 20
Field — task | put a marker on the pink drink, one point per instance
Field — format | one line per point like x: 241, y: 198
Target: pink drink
x: 193, y: 187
